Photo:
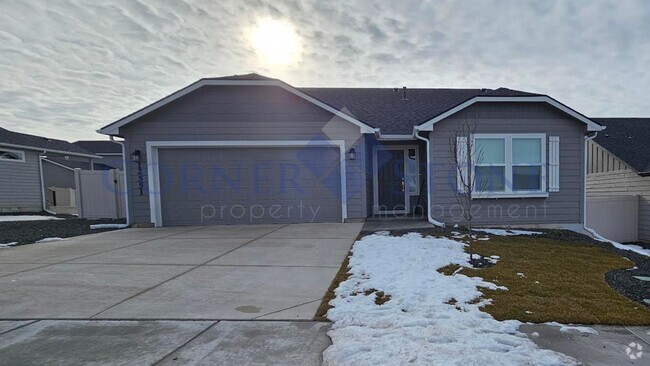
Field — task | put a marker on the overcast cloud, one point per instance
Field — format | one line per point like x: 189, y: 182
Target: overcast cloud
x: 68, y: 67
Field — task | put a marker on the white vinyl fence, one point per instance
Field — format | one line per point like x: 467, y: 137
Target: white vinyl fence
x: 615, y: 217
x: 100, y: 194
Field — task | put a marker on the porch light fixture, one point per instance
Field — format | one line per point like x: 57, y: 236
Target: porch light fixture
x: 352, y: 154
x: 135, y: 156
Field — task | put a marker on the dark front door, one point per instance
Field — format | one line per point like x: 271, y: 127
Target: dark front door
x: 390, y: 170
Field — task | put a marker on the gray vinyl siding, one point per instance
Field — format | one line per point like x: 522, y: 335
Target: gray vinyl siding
x: 247, y: 113
x: 20, y: 184
x: 610, y: 177
x: 563, y: 207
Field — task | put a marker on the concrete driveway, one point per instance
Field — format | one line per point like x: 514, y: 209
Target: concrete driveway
x: 260, y: 272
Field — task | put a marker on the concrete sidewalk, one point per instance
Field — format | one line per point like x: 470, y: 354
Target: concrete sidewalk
x: 178, y: 273
x: 613, y: 345
x: 132, y: 343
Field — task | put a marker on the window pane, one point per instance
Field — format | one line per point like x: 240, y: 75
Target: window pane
x: 490, y: 179
x: 8, y: 155
x: 490, y: 151
x: 413, y: 172
x: 526, y: 151
x: 526, y: 178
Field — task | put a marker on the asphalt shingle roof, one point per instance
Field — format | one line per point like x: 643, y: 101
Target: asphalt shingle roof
x: 628, y: 139
x: 385, y: 108
x: 100, y: 146
x: 23, y: 139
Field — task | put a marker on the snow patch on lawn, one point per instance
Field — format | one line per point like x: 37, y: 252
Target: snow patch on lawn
x: 429, y: 318
x: 503, y: 232
x: 8, y: 245
x: 564, y: 328
x: 27, y: 218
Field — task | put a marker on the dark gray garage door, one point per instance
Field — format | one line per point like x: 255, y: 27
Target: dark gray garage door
x: 203, y: 186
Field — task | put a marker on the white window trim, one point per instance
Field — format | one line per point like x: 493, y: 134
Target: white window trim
x: 21, y: 154
x: 509, y: 192
x: 153, y: 173
x: 375, y: 177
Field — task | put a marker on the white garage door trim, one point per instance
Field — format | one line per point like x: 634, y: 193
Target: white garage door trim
x: 153, y: 174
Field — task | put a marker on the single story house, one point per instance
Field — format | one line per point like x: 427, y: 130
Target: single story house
x: 111, y: 153
x: 252, y: 149
x: 618, y: 173
x: 22, y: 168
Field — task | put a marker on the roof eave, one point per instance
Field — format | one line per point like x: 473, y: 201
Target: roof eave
x: 62, y: 152
x: 591, y: 125
x: 113, y: 129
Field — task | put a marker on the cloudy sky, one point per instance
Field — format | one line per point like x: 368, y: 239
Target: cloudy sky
x: 68, y: 67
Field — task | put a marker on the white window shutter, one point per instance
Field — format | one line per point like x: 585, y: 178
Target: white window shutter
x: 461, y: 154
x: 554, y: 163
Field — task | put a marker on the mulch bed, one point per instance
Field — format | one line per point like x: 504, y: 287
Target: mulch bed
x: 27, y: 232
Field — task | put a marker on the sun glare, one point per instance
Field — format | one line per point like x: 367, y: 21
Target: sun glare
x: 275, y: 42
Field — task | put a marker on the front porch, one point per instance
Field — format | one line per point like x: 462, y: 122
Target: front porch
x: 396, y: 182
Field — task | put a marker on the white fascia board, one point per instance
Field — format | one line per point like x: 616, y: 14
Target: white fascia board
x: 50, y: 150
x: 113, y: 129
x: 591, y: 125
x: 394, y: 137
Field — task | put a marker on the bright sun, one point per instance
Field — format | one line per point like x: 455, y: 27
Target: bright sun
x: 276, y: 42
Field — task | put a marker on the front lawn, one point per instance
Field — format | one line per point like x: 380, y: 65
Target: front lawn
x: 553, y: 280
x: 412, y: 298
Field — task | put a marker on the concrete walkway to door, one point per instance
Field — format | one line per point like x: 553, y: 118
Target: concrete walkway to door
x: 258, y: 272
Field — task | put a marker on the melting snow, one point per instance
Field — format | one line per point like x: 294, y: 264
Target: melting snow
x: 503, y: 232
x: 572, y: 328
x: 48, y: 240
x: 27, y: 218
x: 429, y: 318
x: 8, y: 245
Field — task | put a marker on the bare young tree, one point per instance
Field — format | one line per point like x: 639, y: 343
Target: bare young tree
x: 464, y: 155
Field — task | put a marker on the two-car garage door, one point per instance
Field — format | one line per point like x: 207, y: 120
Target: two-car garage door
x: 249, y: 185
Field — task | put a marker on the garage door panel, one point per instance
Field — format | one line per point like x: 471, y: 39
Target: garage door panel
x: 202, y: 186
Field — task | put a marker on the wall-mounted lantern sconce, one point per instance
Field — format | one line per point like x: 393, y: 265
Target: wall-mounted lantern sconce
x: 135, y: 156
x: 352, y: 154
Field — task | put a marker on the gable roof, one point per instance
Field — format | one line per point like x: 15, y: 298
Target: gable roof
x: 248, y: 79
x: 378, y: 110
x: 100, y: 146
x: 388, y: 110
x: 628, y: 139
x: 33, y: 142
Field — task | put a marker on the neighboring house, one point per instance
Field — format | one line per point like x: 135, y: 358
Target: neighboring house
x: 111, y: 153
x: 22, y: 168
x: 250, y: 149
x: 59, y: 171
x: 619, y: 168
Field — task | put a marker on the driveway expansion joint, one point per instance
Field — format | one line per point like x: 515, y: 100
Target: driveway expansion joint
x: 193, y: 267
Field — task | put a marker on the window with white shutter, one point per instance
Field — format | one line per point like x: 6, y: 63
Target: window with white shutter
x: 554, y: 164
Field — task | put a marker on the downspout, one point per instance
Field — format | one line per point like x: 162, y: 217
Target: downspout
x: 593, y: 232
x: 126, y: 186
x: 429, y: 178
x: 40, y: 170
